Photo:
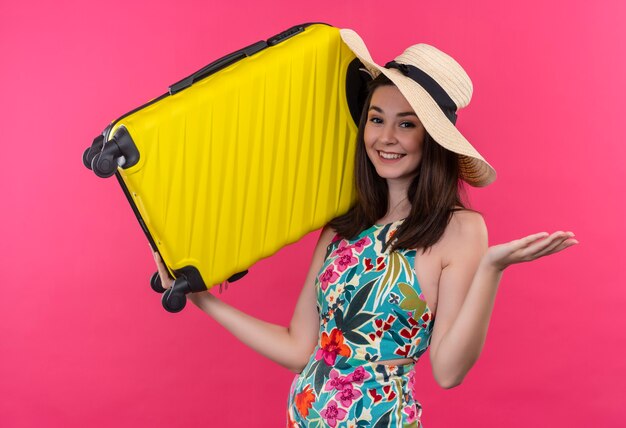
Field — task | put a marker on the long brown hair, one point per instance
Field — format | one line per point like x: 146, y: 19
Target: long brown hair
x: 434, y: 193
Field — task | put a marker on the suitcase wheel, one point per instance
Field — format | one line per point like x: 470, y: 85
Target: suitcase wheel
x: 174, y: 299
x: 104, y: 167
x: 104, y: 158
x: 155, y: 283
x: 93, y: 150
x: 87, y: 158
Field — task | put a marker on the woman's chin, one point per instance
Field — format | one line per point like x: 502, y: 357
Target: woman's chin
x: 388, y: 174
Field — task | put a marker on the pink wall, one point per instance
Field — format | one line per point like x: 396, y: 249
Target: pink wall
x: 85, y: 342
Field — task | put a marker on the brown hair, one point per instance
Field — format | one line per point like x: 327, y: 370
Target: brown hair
x: 434, y: 193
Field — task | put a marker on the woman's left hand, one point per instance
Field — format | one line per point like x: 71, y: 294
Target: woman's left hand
x: 529, y: 248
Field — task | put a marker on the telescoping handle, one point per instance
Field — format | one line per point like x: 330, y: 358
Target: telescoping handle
x: 234, y: 57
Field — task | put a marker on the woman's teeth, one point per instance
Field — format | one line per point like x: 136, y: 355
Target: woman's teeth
x: 390, y: 155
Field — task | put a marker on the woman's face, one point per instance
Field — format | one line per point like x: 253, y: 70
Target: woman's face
x: 393, y: 135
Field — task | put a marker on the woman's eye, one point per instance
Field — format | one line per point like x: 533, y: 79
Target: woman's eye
x: 376, y: 120
x: 407, y: 125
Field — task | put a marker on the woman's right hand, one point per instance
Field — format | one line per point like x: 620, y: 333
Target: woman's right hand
x: 166, y: 279
x: 288, y: 346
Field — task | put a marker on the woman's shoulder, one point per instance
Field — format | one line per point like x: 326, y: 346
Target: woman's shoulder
x: 466, y: 230
x: 466, y: 221
x: 327, y: 235
x: 325, y: 238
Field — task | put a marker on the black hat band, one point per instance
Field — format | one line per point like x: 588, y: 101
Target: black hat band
x: 433, y: 88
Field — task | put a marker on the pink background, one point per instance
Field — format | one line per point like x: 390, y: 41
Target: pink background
x: 85, y: 342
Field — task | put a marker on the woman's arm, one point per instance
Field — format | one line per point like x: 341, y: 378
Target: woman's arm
x: 467, y: 290
x: 290, y: 346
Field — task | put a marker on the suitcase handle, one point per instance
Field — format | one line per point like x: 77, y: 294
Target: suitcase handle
x: 279, y: 38
x: 217, y: 65
x: 234, y: 57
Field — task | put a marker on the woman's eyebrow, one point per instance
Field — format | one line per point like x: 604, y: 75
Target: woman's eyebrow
x: 403, y: 114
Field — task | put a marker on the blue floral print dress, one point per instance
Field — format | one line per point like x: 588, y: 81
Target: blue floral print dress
x: 371, y: 309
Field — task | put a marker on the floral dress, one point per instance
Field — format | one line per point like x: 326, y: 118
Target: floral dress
x: 371, y: 309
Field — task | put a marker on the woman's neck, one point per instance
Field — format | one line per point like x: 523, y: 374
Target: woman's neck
x: 398, y: 206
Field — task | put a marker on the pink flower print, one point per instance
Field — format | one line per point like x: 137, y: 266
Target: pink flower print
x: 411, y: 379
x: 358, y: 376
x: 411, y: 414
x: 343, y: 248
x: 347, y: 394
x: 328, y: 277
x: 361, y: 244
x: 411, y: 384
x: 344, y: 261
x: 332, y: 413
x: 336, y: 382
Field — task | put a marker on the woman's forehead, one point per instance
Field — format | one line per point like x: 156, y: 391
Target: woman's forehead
x: 389, y: 99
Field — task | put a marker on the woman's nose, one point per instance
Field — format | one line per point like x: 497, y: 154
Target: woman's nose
x: 388, y: 135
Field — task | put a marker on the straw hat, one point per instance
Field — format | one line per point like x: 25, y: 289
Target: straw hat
x: 436, y: 86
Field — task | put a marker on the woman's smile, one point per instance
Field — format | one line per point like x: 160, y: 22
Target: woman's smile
x: 387, y: 156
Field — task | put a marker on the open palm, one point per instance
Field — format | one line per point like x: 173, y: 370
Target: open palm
x: 529, y: 248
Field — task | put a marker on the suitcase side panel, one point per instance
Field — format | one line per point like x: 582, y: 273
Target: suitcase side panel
x: 263, y: 150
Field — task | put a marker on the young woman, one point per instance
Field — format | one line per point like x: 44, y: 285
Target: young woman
x: 407, y: 254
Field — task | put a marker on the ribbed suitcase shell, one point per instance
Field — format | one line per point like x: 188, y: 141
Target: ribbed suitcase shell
x: 248, y: 159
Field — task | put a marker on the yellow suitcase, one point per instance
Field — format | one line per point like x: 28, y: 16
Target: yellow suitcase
x: 241, y: 158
